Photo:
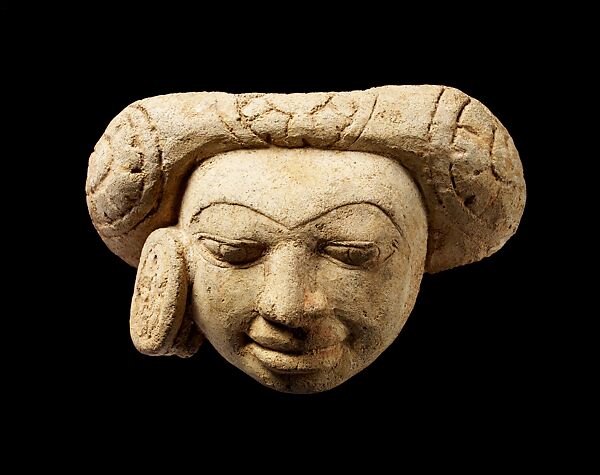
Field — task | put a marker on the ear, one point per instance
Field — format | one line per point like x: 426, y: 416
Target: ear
x: 159, y: 323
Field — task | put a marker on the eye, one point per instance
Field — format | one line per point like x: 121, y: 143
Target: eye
x: 234, y: 252
x: 352, y: 254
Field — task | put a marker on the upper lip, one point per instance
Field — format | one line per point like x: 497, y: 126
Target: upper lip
x: 285, y: 340
x: 315, y: 360
x: 281, y: 343
x: 284, y: 349
x: 276, y: 337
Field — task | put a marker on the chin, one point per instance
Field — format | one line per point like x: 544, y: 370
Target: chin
x: 301, y: 383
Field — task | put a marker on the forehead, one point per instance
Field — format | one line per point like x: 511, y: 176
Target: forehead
x: 293, y: 186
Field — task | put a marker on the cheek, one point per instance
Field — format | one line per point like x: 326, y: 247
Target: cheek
x: 223, y: 302
x: 373, y: 304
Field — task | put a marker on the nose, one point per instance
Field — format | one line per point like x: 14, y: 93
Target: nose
x: 290, y: 296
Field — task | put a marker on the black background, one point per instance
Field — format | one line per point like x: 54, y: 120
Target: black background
x: 475, y: 355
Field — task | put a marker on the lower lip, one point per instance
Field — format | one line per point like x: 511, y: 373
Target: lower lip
x: 316, y: 360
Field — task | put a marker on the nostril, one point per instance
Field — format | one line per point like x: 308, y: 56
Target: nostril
x: 274, y: 336
x: 299, y: 333
x: 278, y: 325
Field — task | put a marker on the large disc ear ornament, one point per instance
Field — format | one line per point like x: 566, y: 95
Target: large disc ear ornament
x: 159, y: 301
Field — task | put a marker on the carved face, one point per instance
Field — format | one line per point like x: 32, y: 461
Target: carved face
x: 305, y: 263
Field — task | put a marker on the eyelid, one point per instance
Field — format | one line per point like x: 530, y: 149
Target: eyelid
x: 359, y: 244
x: 235, y: 253
x: 369, y: 253
x: 231, y: 242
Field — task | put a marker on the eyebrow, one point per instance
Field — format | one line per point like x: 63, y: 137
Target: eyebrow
x: 197, y: 213
x: 303, y: 223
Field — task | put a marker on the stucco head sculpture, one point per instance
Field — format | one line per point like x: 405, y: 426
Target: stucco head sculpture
x: 292, y: 231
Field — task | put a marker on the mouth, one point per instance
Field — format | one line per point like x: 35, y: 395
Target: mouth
x: 296, y: 362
